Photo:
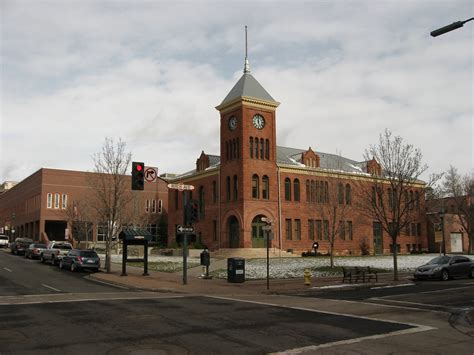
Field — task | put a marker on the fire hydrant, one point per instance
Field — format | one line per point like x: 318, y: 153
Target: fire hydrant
x: 307, y: 277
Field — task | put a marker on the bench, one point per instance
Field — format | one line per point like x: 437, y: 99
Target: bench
x: 358, y: 273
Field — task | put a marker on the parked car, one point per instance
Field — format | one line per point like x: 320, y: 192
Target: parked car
x: 55, y: 251
x: 34, y: 250
x: 79, y: 259
x: 3, y: 241
x: 20, y: 245
x: 446, y: 267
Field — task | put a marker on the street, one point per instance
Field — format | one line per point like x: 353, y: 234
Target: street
x: 45, y: 310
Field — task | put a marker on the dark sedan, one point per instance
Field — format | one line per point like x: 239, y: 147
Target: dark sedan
x: 78, y: 259
x: 446, y: 267
x: 34, y: 250
x: 20, y: 245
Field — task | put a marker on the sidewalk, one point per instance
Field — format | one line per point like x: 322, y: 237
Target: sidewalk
x: 173, y: 282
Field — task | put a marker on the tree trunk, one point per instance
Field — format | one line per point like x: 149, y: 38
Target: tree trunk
x: 395, y: 263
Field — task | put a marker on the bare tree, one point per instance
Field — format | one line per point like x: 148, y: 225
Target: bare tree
x: 389, y: 199
x: 334, y: 201
x: 111, y: 191
x: 79, y: 219
x: 461, y: 190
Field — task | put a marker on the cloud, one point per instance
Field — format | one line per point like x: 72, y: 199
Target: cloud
x: 152, y: 73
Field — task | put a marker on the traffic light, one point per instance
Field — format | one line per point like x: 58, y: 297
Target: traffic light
x: 138, y: 176
x: 192, y: 211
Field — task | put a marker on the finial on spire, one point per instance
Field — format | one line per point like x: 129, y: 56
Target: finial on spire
x: 247, y: 65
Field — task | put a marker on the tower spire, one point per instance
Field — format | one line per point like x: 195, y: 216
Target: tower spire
x: 247, y: 65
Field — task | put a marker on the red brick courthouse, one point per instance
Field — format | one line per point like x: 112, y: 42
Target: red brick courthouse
x: 254, y: 177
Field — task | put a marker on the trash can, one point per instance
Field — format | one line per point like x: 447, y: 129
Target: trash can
x: 235, y: 270
x: 205, y: 258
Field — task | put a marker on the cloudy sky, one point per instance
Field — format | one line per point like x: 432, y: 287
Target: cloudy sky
x: 151, y: 73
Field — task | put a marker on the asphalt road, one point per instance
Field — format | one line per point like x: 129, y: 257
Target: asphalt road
x: 198, y: 325
x: 21, y: 276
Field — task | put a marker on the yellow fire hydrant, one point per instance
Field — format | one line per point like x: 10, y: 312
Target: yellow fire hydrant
x: 307, y: 277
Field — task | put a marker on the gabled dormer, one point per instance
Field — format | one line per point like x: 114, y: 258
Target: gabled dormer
x: 202, y: 163
x: 310, y: 159
x: 374, y: 168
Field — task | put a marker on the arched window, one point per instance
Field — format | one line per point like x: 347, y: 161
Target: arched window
x: 236, y: 188
x: 296, y: 189
x: 255, y: 186
x: 262, y: 148
x: 201, y: 200
x: 308, y: 191
x: 214, y: 191
x: 228, y: 188
x: 348, y: 194
x: 236, y: 148
x: 251, y: 147
x: 256, y: 148
x: 321, y: 191
x: 265, y: 187
x: 267, y: 149
x: 340, y: 194
x: 417, y: 199
x: 326, y: 192
x: 412, y: 200
x: 314, y: 191
x: 287, y: 189
x: 227, y: 150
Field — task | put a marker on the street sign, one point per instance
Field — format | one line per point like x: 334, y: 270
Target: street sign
x: 151, y: 174
x: 180, y: 187
x: 185, y: 229
x: 267, y: 220
x: 438, y: 236
x: 267, y: 228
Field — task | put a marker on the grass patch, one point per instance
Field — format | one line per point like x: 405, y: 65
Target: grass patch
x: 164, y: 266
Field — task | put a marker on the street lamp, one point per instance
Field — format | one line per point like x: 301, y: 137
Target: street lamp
x: 449, y: 28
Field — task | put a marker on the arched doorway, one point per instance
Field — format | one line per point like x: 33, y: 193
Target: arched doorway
x: 258, y: 235
x: 234, y: 238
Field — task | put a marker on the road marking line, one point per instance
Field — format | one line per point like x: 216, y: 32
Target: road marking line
x: 391, y: 286
x: 421, y: 328
x: 434, y: 306
x: 106, y: 283
x: 51, y: 287
x: 118, y: 298
x: 5, y: 268
x: 416, y: 327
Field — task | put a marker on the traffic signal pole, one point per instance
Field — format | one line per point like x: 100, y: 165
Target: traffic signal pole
x: 185, y: 239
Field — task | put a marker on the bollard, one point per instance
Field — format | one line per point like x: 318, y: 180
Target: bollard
x: 307, y: 277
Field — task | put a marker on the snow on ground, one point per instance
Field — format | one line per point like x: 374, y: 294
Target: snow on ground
x: 285, y: 268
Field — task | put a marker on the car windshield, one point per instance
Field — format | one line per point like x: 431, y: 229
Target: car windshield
x: 440, y: 260
x: 62, y: 246
x: 89, y: 254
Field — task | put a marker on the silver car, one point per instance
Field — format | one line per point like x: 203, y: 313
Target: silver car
x: 446, y: 267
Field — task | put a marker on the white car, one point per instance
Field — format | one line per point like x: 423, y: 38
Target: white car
x: 3, y: 241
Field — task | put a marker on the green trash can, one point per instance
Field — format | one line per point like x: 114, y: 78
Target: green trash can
x: 235, y: 270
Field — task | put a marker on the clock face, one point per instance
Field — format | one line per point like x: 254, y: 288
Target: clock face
x: 232, y: 123
x: 258, y: 121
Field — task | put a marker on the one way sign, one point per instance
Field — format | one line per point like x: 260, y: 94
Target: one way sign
x: 151, y: 174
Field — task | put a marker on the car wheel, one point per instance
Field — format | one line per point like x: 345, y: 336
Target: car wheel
x: 444, y: 275
x: 53, y: 261
x: 73, y: 267
x: 42, y: 259
x: 61, y: 264
x: 471, y: 275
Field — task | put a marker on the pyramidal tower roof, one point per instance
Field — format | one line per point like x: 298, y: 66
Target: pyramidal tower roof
x: 247, y: 87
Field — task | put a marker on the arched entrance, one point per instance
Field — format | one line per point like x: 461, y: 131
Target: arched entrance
x: 233, y: 229
x: 258, y: 235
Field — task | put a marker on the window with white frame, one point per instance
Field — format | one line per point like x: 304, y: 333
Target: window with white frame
x: 153, y: 206
x: 64, y: 202
x: 56, y: 200
x: 101, y: 232
x: 147, y: 206
x: 49, y: 200
x: 160, y: 206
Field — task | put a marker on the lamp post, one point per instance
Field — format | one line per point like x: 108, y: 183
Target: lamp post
x: 449, y: 28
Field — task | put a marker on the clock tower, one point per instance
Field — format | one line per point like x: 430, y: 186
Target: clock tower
x: 248, y: 170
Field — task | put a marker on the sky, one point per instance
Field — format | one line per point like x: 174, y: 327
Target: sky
x: 151, y: 73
